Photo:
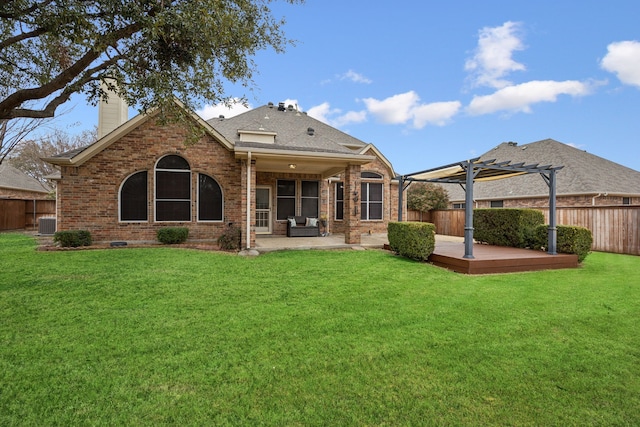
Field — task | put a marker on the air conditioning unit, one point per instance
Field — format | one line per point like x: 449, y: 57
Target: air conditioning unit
x: 46, y: 225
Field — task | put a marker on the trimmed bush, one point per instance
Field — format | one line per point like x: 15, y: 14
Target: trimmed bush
x: 172, y: 235
x: 415, y: 240
x: 230, y: 239
x: 506, y: 227
x: 73, y: 238
x: 570, y: 240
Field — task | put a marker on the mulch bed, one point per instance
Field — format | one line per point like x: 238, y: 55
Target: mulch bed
x: 198, y: 246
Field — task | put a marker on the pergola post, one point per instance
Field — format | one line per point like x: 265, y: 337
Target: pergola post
x: 552, y: 233
x: 468, y: 213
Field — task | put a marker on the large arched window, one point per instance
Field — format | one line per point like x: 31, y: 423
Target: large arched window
x: 210, y: 202
x: 173, y: 189
x: 133, y: 198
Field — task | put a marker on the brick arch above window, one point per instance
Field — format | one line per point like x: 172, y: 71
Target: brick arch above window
x: 371, y: 175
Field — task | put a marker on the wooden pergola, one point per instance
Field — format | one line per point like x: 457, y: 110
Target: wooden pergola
x: 466, y: 172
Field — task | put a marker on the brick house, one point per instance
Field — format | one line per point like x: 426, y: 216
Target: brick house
x: 585, y: 180
x: 253, y: 170
x: 15, y: 184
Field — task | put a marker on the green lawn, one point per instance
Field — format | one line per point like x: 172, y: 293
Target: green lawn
x: 183, y: 337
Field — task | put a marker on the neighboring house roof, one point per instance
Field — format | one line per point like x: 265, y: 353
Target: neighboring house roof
x: 15, y: 179
x: 583, y: 173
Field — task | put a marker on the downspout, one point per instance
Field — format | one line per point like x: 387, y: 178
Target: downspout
x: 326, y: 228
x: 593, y: 199
x: 248, y: 232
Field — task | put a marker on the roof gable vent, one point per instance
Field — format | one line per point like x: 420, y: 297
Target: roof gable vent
x: 261, y: 136
x: 310, y: 131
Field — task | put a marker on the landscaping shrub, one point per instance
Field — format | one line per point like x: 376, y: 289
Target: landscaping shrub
x: 507, y: 227
x: 570, y: 240
x: 172, y: 235
x: 73, y: 238
x: 415, y: 240
x: 229, y: 240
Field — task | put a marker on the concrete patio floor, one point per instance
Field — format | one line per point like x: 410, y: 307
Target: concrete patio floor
x: 269, y: 243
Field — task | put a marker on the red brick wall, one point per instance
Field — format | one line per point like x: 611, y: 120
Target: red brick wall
x: 562, y: 201
x: 88, y: 194
x: 389, y: 200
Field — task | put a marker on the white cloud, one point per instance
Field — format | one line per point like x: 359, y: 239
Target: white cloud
x: 492, y: 60
x: 334, y: 116
x: 436, y: 113
x: 394, y: 110
x: 355, y: 77
x: 321, y: 112
x: 623, y: 59
x: 212, y: 111
x: 405, y: 107
x: 519, y: 98
x: 349, y: 117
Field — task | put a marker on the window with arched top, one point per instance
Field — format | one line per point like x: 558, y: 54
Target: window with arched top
x: 172, y: 189
x: 133, y: 198
x: 371, y: 196
x: 210, y: 201
x: 370, y: 175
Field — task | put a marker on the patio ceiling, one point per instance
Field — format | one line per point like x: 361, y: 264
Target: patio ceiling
x: 292, y: 161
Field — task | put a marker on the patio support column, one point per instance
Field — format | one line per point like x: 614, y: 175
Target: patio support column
x: 352, y: 234
x: 247, y: 221
x: 468, y: 212
x: 552, y: 233
x: 400, y: 196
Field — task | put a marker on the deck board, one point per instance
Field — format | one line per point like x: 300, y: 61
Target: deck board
x: 497, y: 259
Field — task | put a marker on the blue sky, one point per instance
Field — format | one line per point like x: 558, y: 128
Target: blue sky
x: 433, y: 82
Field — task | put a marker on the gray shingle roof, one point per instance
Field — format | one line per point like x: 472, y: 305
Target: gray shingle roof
x: 583, y: 173
x: 13, y: 178
x: 290, y: 127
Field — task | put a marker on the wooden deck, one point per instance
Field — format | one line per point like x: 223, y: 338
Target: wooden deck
x: 497, y: 259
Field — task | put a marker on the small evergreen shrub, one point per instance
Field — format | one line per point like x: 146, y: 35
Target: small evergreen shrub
x: 506, y: 227
x: 570, y: 240
x: 172, y: 235
x: 229, y: 240
x: 414, y: 240
x: 72, y: 238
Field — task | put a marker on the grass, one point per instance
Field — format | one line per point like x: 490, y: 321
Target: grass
x: 165, y: 336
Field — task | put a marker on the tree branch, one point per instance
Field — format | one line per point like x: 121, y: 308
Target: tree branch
x: 10, y: 106
x: 50, y: 109
x: 26, y: 11
x: 20, y: 37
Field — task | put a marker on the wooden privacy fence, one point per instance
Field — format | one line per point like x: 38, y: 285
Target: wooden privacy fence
x: 24, y: 214
x: 615, y: 229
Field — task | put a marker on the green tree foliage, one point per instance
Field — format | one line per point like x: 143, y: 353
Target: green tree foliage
x: 152, y: 49
x: 425, y: 196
